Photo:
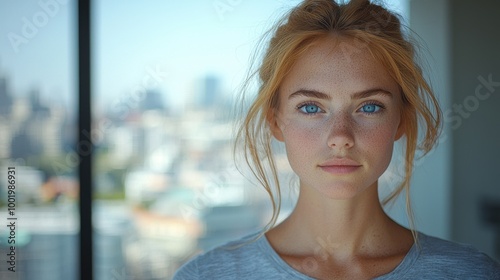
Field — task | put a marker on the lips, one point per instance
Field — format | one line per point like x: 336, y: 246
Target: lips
x: 340, y: 166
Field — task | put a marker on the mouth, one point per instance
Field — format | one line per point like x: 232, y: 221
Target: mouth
x: 340, y: 166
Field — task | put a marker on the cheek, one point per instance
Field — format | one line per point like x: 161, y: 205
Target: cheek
x: 376, y: 136
x: 302, y: 143
x: 377, y: 143
x: 379, y: 133
x: 302, y: 135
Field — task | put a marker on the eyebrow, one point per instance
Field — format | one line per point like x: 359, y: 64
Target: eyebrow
x: 357, y: 95
x: 371, y: 92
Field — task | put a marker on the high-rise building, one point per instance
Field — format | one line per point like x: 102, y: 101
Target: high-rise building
x: 5, y: 98
x: 210, y: 91
x: 153, y: 100
x: 38, y: 109
x: 206, y: 93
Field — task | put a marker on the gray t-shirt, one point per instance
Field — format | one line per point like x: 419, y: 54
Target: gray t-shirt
x: 434, y: 258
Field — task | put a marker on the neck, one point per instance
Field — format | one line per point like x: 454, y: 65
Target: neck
x: 346, y: 227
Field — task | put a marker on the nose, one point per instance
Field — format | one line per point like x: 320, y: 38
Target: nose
x: 341, y: 132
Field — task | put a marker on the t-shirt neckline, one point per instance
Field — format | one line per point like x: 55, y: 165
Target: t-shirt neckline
x: 396, y: 273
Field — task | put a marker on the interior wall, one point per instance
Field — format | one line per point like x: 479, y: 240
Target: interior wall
x: 430, y: 186
x: 475, y: 118
x: 451, y: 185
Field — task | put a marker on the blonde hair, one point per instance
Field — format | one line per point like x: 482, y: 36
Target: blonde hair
x: 373, y: 28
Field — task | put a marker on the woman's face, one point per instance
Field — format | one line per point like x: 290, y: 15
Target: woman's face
x: 338, y: 115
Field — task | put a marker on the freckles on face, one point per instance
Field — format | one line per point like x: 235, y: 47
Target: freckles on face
x: 336, y: 107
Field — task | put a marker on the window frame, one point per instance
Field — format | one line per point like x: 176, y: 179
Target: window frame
x: 85, y: 145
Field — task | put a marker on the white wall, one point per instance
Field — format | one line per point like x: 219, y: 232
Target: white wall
x: 430, y: 188
x: 463, y: 39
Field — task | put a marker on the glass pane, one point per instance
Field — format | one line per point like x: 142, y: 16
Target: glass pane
x: 166, y: 75
x: 38, y: 161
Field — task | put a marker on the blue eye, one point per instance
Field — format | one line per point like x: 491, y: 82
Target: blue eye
x: 370, y: 108
x: 309, y: 109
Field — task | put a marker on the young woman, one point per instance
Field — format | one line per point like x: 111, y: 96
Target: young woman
x: 339, y: 85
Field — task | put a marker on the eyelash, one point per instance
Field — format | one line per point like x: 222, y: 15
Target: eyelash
x: 302, y: 105
x: 382, y: 107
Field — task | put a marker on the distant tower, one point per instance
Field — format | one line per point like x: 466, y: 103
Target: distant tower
x: 207, y: 93
x: 38, y: 109
x: 153, y: 101
x: 210, y: 91
x: 6, y: 100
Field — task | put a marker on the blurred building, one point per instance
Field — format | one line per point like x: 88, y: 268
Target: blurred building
x: 6, y: 99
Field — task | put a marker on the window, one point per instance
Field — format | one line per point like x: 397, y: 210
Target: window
x: 37, y: 140
x: 166, y: 75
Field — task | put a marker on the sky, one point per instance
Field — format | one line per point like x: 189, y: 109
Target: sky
x: 37, y: 50
x: 167, y: 45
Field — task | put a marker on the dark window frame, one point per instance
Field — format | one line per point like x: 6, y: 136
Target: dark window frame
x: 85, y: 146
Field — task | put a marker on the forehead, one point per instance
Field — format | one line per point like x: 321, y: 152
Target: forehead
x: 335, y: 65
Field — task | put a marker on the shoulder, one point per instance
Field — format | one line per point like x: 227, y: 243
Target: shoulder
x: 228, y: 261
x: 436, y: 248
x: 455, y: 259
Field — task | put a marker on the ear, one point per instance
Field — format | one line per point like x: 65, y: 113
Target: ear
x: 272, y: 120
